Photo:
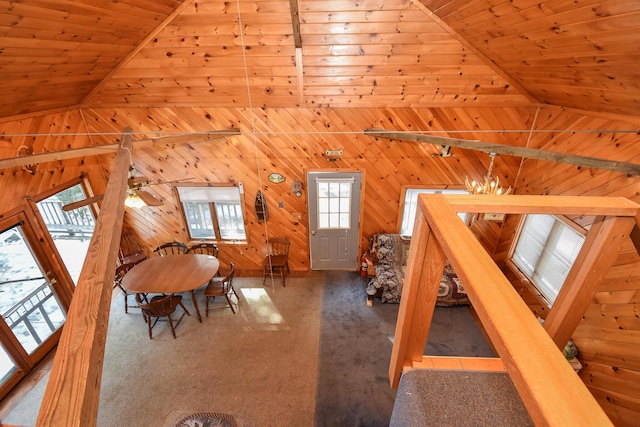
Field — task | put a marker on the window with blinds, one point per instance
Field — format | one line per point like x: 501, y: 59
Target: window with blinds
x: 213, y: 213
x: 545, y: 252
x: 411, y: 204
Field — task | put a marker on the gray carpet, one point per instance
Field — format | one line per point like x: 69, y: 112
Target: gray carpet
x: 310, y: 351
x: 443, y: 398
x: 355, y: 351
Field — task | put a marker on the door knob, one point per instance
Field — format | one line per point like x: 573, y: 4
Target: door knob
x: 313, y: 232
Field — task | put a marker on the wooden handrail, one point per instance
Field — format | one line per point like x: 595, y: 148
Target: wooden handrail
x: 73, y: 390
x: 549, y: 388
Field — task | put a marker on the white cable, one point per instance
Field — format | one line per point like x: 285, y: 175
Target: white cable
x: 254, y: 134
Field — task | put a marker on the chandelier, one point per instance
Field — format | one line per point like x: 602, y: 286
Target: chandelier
x: 491, y: 184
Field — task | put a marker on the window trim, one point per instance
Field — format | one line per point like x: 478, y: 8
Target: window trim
x: 214, y: 218
x: 522, y: 276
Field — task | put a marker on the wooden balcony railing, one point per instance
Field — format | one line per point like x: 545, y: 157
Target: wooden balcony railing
x: 549, y: 388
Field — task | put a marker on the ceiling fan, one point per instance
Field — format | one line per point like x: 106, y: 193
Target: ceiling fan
x: 137, y: 193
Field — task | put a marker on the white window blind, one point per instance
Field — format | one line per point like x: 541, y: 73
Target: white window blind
x: 209, y: 194
x: 545, y: 253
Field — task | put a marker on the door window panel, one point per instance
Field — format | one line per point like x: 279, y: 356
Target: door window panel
x: 71, y: 231
x: 334, y: 204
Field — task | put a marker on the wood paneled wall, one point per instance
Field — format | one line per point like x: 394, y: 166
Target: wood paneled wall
x: 288, y: 141
x: 608, y: 338
x: 292, y: 141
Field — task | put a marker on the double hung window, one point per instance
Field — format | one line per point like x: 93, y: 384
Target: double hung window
x: 213, y: 213
x: 545, y: 252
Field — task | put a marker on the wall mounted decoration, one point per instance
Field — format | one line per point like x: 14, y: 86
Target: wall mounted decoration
x: 276, y: 178
x: 262, y: 211
x: 296, y: 188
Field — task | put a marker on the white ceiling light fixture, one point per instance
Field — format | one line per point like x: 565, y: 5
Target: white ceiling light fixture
x: 133, y: 200
x: 491, y: 184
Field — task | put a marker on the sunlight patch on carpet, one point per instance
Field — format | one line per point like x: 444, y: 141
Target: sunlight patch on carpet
x: 262, y: 314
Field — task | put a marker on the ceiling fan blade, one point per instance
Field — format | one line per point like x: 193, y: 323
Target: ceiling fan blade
x: 148, y: 198
x: 137, y: 181
x: 81, y: 203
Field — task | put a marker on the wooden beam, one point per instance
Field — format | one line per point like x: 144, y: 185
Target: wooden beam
x: 73, y: 390
x: 492, y: 364
x: 73, y: 153
x: 598, y: 253
x: 295, y: 23
x: 509, y: 150
x: 300, y: 75
x: 191, y: 137
x: 419, y: 294
x: 552, y: 205
x: 550, y: 389
x: 54, y: 156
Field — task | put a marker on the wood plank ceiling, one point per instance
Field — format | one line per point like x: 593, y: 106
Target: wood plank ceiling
x: 390, y: 53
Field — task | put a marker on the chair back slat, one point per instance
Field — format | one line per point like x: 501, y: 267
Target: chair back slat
x: 279, y: 246
x: 171, y: 248
x: 204, y: 248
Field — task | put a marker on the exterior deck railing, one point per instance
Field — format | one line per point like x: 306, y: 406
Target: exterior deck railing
x: 20, y: 315
x: 77, y: 222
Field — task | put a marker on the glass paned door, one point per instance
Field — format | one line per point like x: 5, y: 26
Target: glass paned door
x: 31, y: 315
x: 71, y: 231
x: 334, y: 219
x: 27, y: 302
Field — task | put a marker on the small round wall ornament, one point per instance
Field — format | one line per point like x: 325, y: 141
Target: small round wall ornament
x: 276, y: 178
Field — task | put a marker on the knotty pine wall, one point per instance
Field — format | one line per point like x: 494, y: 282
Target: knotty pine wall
x: 293, y: 141
x: 608, y: 338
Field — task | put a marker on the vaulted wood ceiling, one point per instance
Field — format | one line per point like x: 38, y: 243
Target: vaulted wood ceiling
x: 393, y: 53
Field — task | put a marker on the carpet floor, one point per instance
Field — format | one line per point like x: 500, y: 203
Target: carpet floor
x: 355, y: 351
x: 312, y: 353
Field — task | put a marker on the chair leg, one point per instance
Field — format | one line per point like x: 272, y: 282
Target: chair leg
x: 235, y: 293
x: 230, y: 305
x: 126, y: 303
x: 185, y: 309
x: 148, y: 320
x: 173, y: 329
x: 206, y: 308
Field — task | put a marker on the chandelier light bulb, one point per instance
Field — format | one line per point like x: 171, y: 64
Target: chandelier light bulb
x: 491, y: 185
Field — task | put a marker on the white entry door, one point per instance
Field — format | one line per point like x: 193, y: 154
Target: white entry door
x: 334, y: 219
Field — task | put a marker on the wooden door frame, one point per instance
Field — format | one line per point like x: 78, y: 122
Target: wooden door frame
x: 41, y: 247
x: 361, y: 207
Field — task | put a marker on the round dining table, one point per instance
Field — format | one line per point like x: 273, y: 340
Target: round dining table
x: 170, y: 274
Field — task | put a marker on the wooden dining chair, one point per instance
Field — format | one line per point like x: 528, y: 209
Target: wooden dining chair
x: 204, y: 248
x: 277, y: 260
x: 121, y: 270
x: 221, y: 286
x: 171, y: 248
x: 130, y: 251
x: 159, y: 307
